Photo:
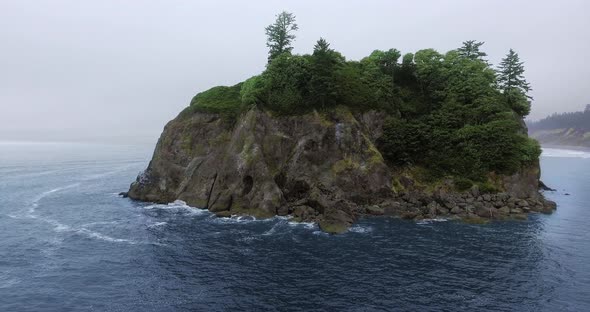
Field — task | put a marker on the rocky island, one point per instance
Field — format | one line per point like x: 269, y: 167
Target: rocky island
x: 328, y: 140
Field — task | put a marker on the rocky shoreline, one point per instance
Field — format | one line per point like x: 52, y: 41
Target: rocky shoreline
x: 470, y: 206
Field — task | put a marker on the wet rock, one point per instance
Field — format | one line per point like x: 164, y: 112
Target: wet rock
x: 551, y: 204
x: 391, y: 208
x: 475, y: 219
x: 303, y: 213
x: 223, y: 214
x: 442, y: 211
x: 456, y: 210
x: 519, y: 216
x: 486, y: 212
x: 544, y: 187
x: 375, y: 210
x: 336, y: 222
x: 283, y: 211
x: 409, y: 214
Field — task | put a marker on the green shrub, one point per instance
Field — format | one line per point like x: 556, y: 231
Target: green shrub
x: 488, y: 188
x: 251, y: 90
x: 222, y: 100
x: 530, y: 151
x: 462, y: 184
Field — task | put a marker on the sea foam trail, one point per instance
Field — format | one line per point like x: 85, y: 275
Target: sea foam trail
x: 564, y: 153
x: 35, y: 202
x: 60, y: 227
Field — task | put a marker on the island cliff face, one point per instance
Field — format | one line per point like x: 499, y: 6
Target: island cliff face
x: 323, y: 168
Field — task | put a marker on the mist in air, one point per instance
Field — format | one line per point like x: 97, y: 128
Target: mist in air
x: 118, y: 71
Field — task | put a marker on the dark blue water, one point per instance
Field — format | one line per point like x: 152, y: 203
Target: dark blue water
x: 69, y: 243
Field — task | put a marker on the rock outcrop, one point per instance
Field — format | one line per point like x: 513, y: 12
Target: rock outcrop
x: 323, y: 168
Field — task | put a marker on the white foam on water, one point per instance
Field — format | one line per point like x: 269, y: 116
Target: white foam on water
x: 96, y: 235
x: 431, y: 221
x: 306, y: 225
x: 360, y: 229
x: 564, y: 153
x: 235, y: 219
x: 272, y: 230
x: 157, y: 224
x: 99, y: 223
x: 38, y: 198
x: 178, y: 205
x: 60, y: 227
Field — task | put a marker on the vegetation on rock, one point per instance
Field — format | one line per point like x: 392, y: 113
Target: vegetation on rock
x: 451, y: 113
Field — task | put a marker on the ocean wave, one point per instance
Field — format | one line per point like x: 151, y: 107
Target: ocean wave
x: 306, y: 225
x: 431, y: 221
x: 177, y: 205
x: 99, y: 223
x: 6, y: 282
x: 96, y: 235
x: 60, y: 228
x: 564, y: 153
x: 360, y: 229
x: 157, y: 224
x: 236, y: 219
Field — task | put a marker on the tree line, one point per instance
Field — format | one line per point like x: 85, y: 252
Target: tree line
x: 577, y: 120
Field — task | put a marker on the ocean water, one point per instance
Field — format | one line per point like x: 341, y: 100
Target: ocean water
x: 69, y: 243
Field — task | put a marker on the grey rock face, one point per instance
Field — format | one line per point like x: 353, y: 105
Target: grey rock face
x: 323, y: 168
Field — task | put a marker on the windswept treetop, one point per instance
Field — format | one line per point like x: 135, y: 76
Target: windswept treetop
x: 451, y: 113
x: 280, y: 35
x: 470, y: 49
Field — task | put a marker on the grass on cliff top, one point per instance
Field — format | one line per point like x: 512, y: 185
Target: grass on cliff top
x: 222, y: 100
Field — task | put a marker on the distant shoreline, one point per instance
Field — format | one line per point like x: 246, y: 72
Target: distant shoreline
x: 566, y: 147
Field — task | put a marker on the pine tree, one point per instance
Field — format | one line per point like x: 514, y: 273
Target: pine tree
x: 324, y: 64
x: 511, y: 74
x: 470, y: 50
x: 512, y: 83
x: 280, y: 35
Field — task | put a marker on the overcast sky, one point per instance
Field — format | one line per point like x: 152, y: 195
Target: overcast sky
x: 109, y: 69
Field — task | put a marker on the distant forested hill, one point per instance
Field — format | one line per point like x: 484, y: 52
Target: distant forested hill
x: 571, y: 129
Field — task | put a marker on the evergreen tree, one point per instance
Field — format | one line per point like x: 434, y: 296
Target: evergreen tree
x: 280, y: 35
x: 324, y: 64
x: 470, y: 50
x: 513, y: 84
x: 511, y: 74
